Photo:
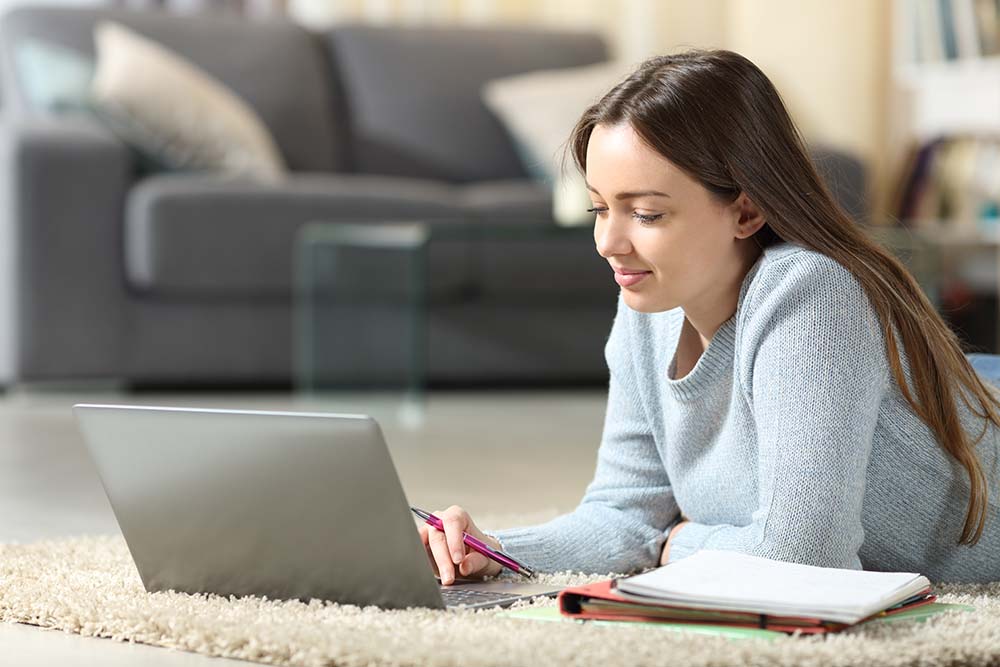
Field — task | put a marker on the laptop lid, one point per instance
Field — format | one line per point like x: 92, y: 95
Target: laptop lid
x: 246, y: 502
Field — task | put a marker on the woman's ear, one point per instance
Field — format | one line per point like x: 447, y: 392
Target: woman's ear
x: 749, y: 218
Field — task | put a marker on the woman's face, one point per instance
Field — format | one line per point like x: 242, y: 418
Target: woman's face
x: 654, y: 219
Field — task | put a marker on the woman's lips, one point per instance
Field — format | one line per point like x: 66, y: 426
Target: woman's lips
x: 630, y: 279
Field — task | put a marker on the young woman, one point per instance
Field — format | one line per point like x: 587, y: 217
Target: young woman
x: 779, y: 385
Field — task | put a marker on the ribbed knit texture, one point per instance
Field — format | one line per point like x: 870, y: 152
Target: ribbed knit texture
x: 789, y: 439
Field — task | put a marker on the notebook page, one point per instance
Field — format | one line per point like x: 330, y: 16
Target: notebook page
x: 731, y: 580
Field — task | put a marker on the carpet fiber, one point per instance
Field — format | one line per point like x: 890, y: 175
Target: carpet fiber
x: 89, y: 586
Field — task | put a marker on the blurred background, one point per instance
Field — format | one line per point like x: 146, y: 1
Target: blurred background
x: 195, y: 195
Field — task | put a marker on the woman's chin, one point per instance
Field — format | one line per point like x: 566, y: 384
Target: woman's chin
x: 646, y: 303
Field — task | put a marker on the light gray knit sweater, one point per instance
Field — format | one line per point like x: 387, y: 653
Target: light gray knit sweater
x: 789, y: 439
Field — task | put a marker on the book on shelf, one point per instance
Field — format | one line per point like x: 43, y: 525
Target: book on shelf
x: 947, y: 30
x: 734, y: 589
x: 950, y: 181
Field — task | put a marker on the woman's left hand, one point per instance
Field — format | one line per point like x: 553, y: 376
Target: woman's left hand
x: 665, y: 554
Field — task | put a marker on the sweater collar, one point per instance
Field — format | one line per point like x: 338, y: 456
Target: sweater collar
x: 718, y: 356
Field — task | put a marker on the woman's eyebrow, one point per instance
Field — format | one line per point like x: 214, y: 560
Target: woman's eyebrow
x: 632, y: 195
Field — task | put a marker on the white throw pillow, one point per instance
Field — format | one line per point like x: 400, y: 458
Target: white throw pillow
x: 176, y: 111
x: 539, y: 109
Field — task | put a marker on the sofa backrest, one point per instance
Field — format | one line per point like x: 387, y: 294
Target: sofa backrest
x: 412, y: 94
x: 277, y: 67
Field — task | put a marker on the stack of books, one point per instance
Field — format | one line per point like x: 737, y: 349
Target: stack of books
x: 732, y: 589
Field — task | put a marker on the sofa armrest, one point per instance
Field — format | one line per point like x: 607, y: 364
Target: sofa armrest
x: 62, y: 291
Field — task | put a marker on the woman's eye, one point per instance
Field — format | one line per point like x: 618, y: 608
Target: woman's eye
x: 643, y: 219
x: 647, y: 219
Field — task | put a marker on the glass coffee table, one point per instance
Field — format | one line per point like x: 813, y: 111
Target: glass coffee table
x: 363, y: 290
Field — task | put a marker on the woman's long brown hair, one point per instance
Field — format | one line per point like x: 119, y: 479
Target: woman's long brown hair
x: 714, y: 114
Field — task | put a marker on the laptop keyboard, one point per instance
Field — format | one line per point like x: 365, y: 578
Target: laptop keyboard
x: 458, y: 596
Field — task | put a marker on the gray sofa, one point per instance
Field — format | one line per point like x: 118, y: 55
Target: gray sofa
x: 167, y: 279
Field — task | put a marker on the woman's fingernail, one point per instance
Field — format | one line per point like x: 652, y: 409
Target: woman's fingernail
x: 456, y: 556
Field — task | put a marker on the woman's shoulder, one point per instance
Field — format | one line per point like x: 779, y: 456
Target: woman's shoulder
x: 789, y: 258
x: 787, y: 271
x: 804, y: 307
x: 796, y: 292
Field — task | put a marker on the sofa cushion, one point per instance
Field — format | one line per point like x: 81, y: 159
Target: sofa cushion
x: 413, y: 94
x: 277, y: 67
x: 176, y: 112
x: 540, y: 109
x: 562, y: 265
x: 529, y: 266
x: 195, y: 236
x: 511, y: 200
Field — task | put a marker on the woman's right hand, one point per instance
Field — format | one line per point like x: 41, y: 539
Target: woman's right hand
x: 450, y: 556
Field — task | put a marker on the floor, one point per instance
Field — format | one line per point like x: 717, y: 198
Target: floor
x: 464, y: 448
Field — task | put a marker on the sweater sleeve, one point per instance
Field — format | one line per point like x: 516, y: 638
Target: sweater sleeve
x: 813, y: 368
x: 619, y: 525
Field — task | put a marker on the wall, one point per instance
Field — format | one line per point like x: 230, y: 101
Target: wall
x: 837, y: 89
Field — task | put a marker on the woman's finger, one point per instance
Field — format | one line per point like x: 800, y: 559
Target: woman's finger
x: 454, y: 529
x: 473, y: 563
x: 439, y: 549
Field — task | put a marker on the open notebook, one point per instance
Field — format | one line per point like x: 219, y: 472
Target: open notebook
x: 735, y: 582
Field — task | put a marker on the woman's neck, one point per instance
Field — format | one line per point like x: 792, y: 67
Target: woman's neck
x: 716, y: 307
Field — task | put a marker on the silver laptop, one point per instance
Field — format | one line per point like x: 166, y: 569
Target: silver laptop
x: 278, y: 504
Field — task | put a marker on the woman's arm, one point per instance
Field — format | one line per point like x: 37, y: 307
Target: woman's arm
x: 620, y: 524
x: 665, y: 555
x: 812, y: 365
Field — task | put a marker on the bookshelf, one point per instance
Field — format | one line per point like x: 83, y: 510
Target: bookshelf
x: 944, y: 111
x: 946, y: 100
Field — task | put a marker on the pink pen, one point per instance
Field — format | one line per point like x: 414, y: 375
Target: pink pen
x: 478, y: 545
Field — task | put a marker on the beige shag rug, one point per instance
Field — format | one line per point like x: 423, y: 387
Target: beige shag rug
x: 89, y: 586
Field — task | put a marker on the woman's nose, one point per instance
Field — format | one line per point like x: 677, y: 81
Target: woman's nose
x: 610, y: 239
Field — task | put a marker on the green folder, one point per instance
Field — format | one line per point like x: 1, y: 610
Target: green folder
x: 552, y: 614
x: 922, y: 612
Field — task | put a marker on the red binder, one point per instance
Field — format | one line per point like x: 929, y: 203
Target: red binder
x: 599, y: 601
